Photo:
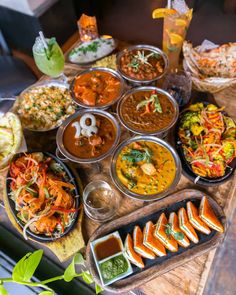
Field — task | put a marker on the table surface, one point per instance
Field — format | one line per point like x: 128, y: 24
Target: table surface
x: 189, y: 278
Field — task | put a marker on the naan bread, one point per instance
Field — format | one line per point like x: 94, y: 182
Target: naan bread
x: 10, y: 137
x: 216, y: 62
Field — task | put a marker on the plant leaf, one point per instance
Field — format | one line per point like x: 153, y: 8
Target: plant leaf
x: 98, y: 289
x: 3, y: 290
x: 46, y: 293
x: 87, y: 277
x: 79, y: 259
x: 70, y: 272
x: 25, y: 268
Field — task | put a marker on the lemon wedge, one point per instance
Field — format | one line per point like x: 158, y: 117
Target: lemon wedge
x: 175, y: 38
x: 162, y: 12
x: 189, y: 14
x: 180, y: 22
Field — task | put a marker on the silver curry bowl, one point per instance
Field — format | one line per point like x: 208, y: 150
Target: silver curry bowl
x: 100, y: 69
x: 161, y: 132
x: 142, y: 197
x: 150, y: 48
x: 73, y: 158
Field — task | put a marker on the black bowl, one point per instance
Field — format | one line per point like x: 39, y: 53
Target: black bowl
x: 41, y: 237
x: 187, y: 169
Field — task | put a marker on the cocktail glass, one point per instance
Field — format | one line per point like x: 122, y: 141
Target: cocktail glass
x: 174, y: 32
x: 49, y: 58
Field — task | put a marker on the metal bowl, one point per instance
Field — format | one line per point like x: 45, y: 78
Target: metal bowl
x: 141, y: 197
x: 68, y: 155
x: 142, y: 47
x: 160, y: 133
x: 100, y: 69
x: 46, y: 83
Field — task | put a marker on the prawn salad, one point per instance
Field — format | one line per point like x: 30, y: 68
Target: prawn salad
x: 45, y: 107
x: 208, y: 138
x: 44, y: 198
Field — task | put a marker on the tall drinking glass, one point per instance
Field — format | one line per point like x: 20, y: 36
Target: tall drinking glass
x: 174, y: 32
x: 49, y: 60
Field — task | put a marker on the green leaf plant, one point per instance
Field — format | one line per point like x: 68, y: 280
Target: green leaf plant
x: 25, y: 268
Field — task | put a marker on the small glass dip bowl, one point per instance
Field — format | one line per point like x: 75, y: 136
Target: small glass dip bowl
x: 100, y: 201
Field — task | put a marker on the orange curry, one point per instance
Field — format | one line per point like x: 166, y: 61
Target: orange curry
x: 97, y: 88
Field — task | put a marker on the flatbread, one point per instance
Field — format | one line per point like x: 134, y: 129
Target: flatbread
x: 11, y: 136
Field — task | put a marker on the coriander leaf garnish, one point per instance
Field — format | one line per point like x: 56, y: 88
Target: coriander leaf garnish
x: 177, y: 235
x: 136, y: 156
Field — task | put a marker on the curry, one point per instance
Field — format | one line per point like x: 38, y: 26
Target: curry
x: 142, y: 64
x: 89, y: 136
x: 147, y: 111
x: 145, y: 167
x: 97, y: 88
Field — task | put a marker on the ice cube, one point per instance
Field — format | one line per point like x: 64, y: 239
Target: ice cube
x: 180, y: 6
x: 38, y: 45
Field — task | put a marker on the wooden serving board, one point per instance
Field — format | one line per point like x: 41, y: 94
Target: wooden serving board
x: 161, y: 265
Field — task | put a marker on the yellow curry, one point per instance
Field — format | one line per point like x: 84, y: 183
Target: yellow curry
x: 145, y: 167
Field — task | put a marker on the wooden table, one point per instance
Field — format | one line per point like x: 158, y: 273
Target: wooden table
x: 189, y: 278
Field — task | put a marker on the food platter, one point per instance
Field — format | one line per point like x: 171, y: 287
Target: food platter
x: 187, y: 169
x: 41, y: 237
x: 44, y: 105
x: 159, y: 265
x: 141, y: 177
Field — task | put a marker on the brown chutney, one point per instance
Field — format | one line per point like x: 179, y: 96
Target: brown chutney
x: 145, y: 119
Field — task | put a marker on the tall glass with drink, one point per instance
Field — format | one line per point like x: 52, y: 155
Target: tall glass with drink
x: 48, y: 56
x: 176, y: 22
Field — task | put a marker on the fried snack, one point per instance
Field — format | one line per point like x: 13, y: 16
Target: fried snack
x: 160, y: 233
x: 195, y: 220
x: 139, y: 246
x: 175, y: 229
x: 208, y: 216
x: 186, y: 226
x: 151, y: 241
x: 134, y: 257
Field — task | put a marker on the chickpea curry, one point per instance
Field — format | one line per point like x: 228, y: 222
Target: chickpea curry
x: 145, y: 167
x: 89, y: 136
x: 97, y: 88
x: 147, y: 111
x: 142, y: 64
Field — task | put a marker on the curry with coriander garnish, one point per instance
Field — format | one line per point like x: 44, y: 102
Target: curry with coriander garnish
x: 145, y: 167
x: 147, y: 110
x: 142, y: 64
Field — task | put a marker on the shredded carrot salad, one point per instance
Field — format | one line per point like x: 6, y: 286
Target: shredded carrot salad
x: 208, y: 138
x: 43, y: 195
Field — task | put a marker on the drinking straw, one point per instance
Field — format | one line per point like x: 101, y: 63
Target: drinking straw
x: 43, y: 40
x: 169, y: 4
